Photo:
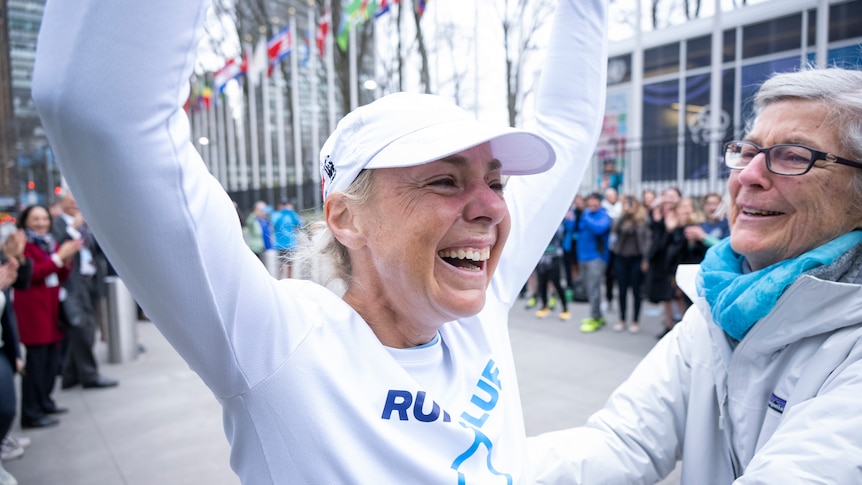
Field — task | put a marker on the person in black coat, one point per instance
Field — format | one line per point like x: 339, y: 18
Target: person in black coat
x: 15, y: 272
x: 79, y: 308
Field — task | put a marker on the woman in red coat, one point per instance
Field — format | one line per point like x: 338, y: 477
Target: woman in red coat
x: 37, y: 309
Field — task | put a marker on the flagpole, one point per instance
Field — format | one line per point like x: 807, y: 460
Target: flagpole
x: 253, y: 137
x: 315, y: 108
x: 437, y: 52
x: 222, y: 140
x: 476, y: 58
x: 267, y: 133
x: 231, y: 175
x: 330, y: 70
x: 351, y: 54
x: 212, y: 134
x: 297, y: 129
x: 279, y: 129
x: 242, y: 155
x: 194, y: 114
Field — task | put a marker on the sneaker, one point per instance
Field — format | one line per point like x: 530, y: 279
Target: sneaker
x: 23, y: 441
x: 619, y: 326
x: 543, y: 312
x: 590, y: 325
x: 531, y: 303
x: 552, y: 302
x: 10, y: 450
x: 6, y: 478
x: 565, y: 316
x: 634, y: 327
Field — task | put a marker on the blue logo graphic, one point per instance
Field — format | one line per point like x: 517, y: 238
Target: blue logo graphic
x: 485, y: 399
x: 777, y: 404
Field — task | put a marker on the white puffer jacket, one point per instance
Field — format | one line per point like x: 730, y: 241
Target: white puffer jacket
x: 782, y: 407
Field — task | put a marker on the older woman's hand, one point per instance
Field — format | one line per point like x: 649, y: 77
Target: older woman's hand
x: 694, y: 233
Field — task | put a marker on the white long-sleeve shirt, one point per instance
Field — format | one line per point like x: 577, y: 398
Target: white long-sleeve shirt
x: 309, y: 394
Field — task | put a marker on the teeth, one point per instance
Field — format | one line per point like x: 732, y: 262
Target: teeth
x: 754, y: 212
x: 469, y: 254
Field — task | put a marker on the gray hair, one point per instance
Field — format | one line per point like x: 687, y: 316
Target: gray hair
x: 321, y: 257
x: 840, y: 90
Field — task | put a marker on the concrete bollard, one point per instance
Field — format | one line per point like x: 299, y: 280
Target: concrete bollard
x: 272, y: 263
x: 122, y: 322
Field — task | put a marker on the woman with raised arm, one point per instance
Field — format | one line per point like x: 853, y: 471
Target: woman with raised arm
x: 406, y: 377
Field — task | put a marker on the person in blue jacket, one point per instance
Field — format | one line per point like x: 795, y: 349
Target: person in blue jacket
x: 594, y: 229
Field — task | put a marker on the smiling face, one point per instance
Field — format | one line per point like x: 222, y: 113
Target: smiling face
x: 776, y: 217
x: 38, y: 221
x: 429, y: 240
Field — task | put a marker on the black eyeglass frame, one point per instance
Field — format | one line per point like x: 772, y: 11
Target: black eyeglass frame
x: 815, y: 156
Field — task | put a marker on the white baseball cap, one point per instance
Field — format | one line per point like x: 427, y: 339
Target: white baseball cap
x: 407, y: 129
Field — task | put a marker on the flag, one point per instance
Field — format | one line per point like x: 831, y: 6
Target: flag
x: 306, y: 41
x: 420, y: 7
x: 323, y: 31
x: 205, y: 95
x: 383, y: 7
x: 256, y: 61
x: 352, y: 15
x: 278, y: 48
x: 231, y: 70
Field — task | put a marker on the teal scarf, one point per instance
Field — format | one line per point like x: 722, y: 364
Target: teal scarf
x: 739, y: 300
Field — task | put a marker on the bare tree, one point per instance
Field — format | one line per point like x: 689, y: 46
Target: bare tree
x: 447, y: 36
x: 521, y: 21
x: 425, y: 76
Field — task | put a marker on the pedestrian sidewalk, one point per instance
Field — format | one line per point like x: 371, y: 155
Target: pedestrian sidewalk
x: 161, y: 425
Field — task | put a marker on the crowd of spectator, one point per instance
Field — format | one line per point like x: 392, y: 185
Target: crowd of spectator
x: 52, y: 277
x: 615, y: 251
x: 52, y: 291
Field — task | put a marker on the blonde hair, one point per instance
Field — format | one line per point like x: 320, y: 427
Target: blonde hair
x: 321, y: 257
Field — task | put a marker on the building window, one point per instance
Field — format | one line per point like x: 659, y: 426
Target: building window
x: 698, y: 122
x: 778, y: 35
x: 698, y: 52
x: 849, y: 57
x: 729, y: 48
x: 661, y: 60
x: 845, y: 20
x: 754, y: 75
x: 812, y: 28
x: 660, y: 120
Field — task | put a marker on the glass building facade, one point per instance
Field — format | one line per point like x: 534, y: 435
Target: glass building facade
x: 676, y: 95
x: 38, y: 177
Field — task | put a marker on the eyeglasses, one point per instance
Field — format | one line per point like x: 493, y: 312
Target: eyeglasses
x: 784, y: 159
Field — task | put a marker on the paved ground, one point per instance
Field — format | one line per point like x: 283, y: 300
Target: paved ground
x: 162, y: 426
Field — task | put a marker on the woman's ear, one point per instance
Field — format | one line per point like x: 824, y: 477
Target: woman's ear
x: 340, y: 217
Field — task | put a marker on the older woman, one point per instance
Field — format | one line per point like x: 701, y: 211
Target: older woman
x: 37, y: 309
x: 760, y: 383
x: 406, y: 378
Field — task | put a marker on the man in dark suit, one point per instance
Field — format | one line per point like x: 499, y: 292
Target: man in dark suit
x: 79, y: 308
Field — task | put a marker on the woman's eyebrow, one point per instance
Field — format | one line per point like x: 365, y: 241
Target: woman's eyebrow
x: 461, y: 160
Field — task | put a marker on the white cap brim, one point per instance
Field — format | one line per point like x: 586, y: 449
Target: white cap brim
x: 520, y: 152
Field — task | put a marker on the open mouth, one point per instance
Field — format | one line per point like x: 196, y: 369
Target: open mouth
x: 466, y: 258
x: 760, y: 213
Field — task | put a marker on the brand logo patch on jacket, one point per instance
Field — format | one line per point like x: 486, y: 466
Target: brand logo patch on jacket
x: 777, y: 404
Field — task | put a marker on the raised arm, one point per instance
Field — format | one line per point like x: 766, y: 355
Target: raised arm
x: 110, y: 80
